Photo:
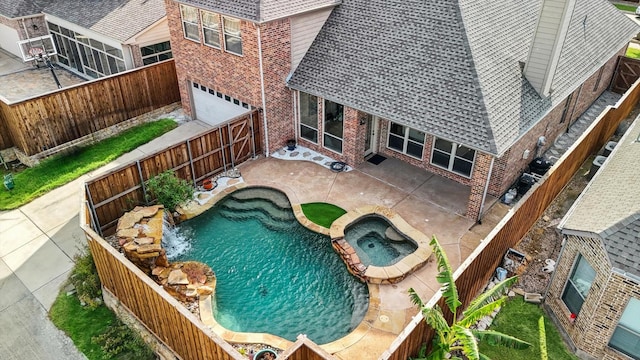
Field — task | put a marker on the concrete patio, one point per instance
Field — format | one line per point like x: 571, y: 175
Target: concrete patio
x: 428, y: 202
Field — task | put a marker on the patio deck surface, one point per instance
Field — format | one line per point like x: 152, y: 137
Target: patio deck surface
x: 428, y: 202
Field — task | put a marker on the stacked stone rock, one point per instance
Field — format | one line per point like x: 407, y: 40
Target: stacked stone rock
x: 349, y: 256
x: 139, y: 232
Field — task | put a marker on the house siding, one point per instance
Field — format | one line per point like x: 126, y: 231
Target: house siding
x: 304, y: 29
x: 591, y: 330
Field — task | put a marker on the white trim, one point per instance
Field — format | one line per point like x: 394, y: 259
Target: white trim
x: 197, y: 24
x: 85, y: 31
x: 204, y: 40
x: 133, y: 40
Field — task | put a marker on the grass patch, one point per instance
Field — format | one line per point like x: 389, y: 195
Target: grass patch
x: 81, y: 323
x: 322, y: 214
x: 622, y: 7
x: 520, y: 319
x: 59, y: 170
x: 633, y: 53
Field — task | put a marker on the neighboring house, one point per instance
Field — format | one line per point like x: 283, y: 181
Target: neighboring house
x: 595, y: 291
x: 95, y: 38
x: 470, y: 90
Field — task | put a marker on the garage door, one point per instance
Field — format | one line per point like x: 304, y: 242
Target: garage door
x: 9, y: 40
x: 214, y: 107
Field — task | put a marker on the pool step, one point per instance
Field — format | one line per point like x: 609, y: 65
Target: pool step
x: 266, y: 220
x: 277, y: 198
x: 267, y: 207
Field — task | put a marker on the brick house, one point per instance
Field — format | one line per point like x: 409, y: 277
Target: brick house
x: 92, y: 38
x: 597, y: 277
x: 469, y: 90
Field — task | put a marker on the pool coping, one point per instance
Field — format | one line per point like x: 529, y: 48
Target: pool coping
x: 377, y: 275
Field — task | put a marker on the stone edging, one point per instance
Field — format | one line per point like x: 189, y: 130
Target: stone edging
x: 376, y: 274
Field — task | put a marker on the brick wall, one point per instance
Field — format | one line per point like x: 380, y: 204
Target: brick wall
x: 604, y: 304
x: 230, y: 74
x: 20, y: 25
x: 509, y: 167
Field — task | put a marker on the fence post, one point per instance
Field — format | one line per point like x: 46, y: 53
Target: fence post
x: 144, y: 188
x: 98, y: 227
x: 231, y: 146
x: 253, y: 138
x: 224, y: 158
x: 193, y: 172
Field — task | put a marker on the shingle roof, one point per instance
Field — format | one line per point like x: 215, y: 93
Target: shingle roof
x: 20, y: 8
x: 610, y: 205
x: 261, y: 10
x: 453, y: 68
x: 117, y: 19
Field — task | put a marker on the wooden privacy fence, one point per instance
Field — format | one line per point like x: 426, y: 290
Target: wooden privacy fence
x: 473, y: 275
x: 158, y: 311
x: 50, y: 120
x: 213, y: 152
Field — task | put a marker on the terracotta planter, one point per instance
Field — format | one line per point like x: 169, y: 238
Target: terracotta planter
x: 207, y: 184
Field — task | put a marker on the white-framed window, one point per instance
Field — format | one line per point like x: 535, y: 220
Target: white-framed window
x: 454, y: 157
x: 156, y: 52
x: 406, y: 140
x: 190, y: 22
x: 232, y: 35
x: 86, y: 55
x: 308, y: 116
x: 333, y: 126
x: 626, y: 336
x: 211, y: 28
x: 578, y: 285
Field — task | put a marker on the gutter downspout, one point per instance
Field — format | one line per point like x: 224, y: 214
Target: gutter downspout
x: 264, y: 103
x: 486, y: 189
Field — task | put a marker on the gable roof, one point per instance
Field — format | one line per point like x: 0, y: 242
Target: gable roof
x: 20, y: 8
x: 117, y: 19
x: 610, y: 204
x: 453, y: 68
x: 261, y: 10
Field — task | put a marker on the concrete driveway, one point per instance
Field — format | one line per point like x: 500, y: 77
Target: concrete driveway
x: 38, y: 242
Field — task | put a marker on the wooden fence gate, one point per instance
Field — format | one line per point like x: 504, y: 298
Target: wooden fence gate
x: 627, y: 72
x: 217, y: 150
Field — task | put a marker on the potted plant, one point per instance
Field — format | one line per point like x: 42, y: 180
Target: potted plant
x: 291, y: 144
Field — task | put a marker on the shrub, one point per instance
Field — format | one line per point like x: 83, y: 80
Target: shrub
x: 120, y: 342
x: 169, y: 190
x: 84, y: 278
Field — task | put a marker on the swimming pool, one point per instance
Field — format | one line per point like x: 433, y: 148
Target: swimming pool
x: 273, y: 274
x: 376, y: 242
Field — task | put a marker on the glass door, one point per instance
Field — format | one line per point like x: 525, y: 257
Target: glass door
x: 371, y: 124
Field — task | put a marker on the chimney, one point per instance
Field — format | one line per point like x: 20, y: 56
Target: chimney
x: 549, y: 36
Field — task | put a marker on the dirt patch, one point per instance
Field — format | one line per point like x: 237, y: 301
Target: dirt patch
x: 543, y: 241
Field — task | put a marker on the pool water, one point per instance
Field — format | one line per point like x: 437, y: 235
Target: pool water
x: 369, y: 239
x: 273, y: 275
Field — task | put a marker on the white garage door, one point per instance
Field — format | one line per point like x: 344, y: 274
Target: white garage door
x: 9, y: 39
x: 213, y: 107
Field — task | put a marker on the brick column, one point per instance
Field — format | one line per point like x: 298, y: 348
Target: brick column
x: 481, y: 170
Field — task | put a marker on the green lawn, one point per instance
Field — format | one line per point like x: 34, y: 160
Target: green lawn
x: 520, y: 319
x: 622, y: 7
x: 59, y: 170
x: 633, y: 53
x: 81, y: 323
x: 322, y: 214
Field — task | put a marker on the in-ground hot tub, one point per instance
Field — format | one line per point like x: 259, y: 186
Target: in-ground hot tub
x: 378, y: 245
x: 376, y: 241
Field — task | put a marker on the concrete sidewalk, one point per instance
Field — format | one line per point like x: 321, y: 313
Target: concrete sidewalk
x: 38, y: 242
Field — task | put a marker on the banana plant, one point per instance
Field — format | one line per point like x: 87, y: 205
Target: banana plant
x: 458, y: 338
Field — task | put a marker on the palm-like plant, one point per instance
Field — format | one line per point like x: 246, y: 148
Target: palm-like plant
x: 459, y: 338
